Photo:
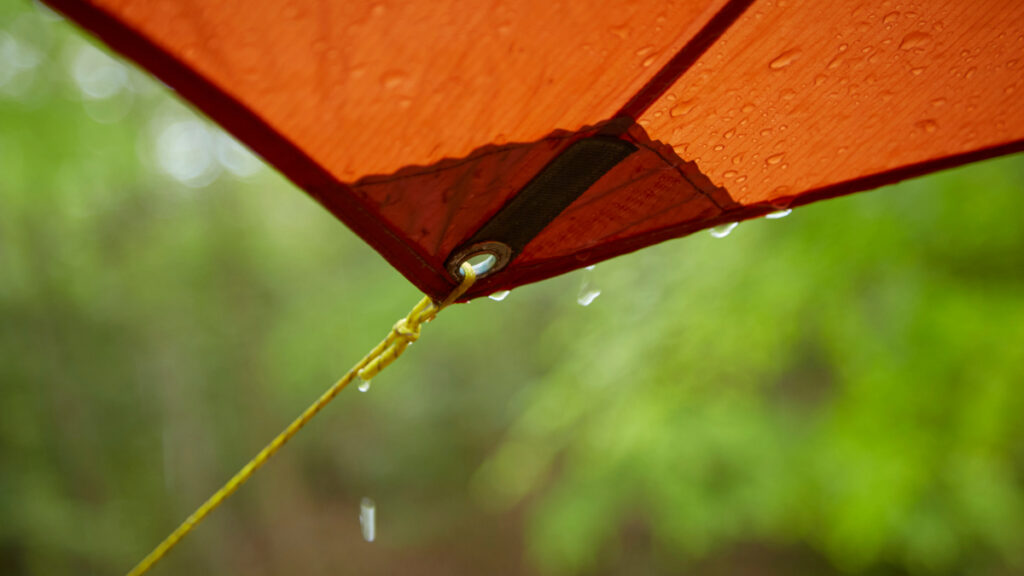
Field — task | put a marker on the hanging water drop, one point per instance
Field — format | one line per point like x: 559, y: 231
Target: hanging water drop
x: 499, y: 296
x: 588, y: 291
x: 368, y: 519
x: 364, y: 385
x: 779, y: 214
x: 723, y: 230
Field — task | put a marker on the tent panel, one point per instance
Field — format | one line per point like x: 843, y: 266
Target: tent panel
x: 800, y: 96
x: 367, y: 87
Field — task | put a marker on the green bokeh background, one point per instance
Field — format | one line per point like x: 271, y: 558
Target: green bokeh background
x: 839, y: 391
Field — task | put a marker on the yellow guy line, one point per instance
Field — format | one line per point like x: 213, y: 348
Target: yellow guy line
x: 405, y: 332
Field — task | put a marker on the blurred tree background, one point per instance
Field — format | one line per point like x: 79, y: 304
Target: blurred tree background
x: 840, y: 391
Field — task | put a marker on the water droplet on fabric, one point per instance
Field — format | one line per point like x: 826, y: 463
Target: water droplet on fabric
x: 364, y: 385
x: 588, y: 291
x: 645, y: 50
x: 368, y: 519
x: 682, y: 109
x: 890, y: 18
x: 785, y: 59
x: 915, y: 41
x: 723, y: 230
x: 774, y: 159
x: 928, y: 125
x: 499, y: 296
x: 392, y: 80
x: 779, y: 214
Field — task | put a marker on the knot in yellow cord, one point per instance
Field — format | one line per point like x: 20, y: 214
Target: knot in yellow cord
x: 405, y: 332
x: 402, y: 330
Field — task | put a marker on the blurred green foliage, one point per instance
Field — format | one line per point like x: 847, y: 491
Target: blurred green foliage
x: 838, y: 391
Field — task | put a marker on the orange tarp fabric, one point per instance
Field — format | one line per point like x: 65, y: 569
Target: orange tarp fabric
x: 417, y: 123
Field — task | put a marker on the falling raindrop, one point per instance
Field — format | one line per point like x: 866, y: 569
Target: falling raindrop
x: 499, y: 296
x: 368, y: 519
x: 778, y: 214
x: 364, y: 385
x: 723, y: 230
x: 588, y: 291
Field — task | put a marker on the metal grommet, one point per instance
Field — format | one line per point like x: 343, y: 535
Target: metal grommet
x: 486, y: 258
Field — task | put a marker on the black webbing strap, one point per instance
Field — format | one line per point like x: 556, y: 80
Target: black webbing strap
x: 550, y: 192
